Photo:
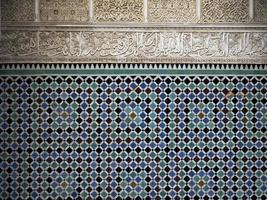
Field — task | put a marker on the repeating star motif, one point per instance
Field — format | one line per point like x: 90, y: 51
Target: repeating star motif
x: 133, y: 137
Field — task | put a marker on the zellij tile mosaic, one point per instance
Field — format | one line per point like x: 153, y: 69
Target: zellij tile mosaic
x: 133, y: 137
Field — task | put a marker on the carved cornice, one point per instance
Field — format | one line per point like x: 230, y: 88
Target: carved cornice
x: 195, y: 44
x: 122, y: 25
x: 222, y: 68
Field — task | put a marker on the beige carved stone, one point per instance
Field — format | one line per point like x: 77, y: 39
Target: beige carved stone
x: 18, y: 43
x: 134, y: 46
x: 53, y: 44
x: 118, y: 10
x: 216, y: 11
x: 64, y: 10
x: 261, y: 10
x: 172, y: 10
x: 17, y: 10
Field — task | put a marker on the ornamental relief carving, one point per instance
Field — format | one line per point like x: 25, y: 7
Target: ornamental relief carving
x: 118, y: 10
x: 64, y: 10
x: 138, y: 45
x: 216, y: 11
x: 261, y: 10
x: 172, y: 11
x: 18, y: 43
x: 53, y: 44
x: 17, y: 10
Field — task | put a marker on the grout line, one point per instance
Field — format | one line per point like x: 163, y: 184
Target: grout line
x: 145, y: 11
x: 251, y: 9
x: 91, y: 10
x: 37, y: 10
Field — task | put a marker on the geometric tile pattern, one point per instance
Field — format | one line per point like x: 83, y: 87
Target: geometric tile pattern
x: 133, y: 137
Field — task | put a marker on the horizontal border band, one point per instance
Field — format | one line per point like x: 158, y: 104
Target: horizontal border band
x: 133, y: 46
x: 74, y: 26
x: 136, y: 66
x: 131, y: 72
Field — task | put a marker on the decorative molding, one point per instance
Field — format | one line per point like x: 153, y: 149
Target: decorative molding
x: 251, y: 9
x: 37, y: 11
x: 91, y: 10
x: 120, y: 66
x: 63, y: 25
x: 133, y: 46
x: 118, y: 11
x: 172, y: 11
x: 198, y: 9
x: 145, y: 11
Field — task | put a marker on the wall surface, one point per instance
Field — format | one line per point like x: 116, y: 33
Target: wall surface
x: 133, y: 99
x: 157, y: 31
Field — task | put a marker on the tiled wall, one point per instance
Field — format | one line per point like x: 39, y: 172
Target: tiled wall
x: 188, y: 134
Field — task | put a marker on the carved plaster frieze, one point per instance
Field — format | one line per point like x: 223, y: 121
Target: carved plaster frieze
x: 18, y: 43
x: 133, y: 46
x: 172, y: 11
x: 224, y: 11
x: 118, y: 10
x: 17, y: 10
x: 64, y: 10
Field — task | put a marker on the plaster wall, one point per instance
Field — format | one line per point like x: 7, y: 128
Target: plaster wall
x: 152, y: 31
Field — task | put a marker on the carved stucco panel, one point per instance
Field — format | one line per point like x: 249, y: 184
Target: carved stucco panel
x: 19, y: 43
x: 241, y: 45
x: 172, y: 11
x: 54, y: 44
x: 261, y: 10
x: 64, y: 10
x: 17, y: 10
x: 106, y: 44
x: 215, y: 11
x: 118, y: 10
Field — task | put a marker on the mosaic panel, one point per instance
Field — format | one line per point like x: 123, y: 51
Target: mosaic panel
x: 64, y: 10
x: 118, y: 10
x: 133, y: 137
x: 17, y: 10
x: 172, y: 10
x: 261, y: 10
x: 214, y: 11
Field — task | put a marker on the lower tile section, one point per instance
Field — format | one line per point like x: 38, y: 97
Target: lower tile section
x: 133, y: 137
